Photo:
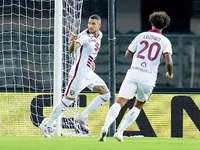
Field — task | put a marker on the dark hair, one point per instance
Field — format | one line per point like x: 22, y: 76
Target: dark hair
x: 97, y: 17
x: 160, y: 19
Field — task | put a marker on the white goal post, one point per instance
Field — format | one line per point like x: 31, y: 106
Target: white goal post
x: 68, y: 18
x: 57, y: 60
x: 34, y: 63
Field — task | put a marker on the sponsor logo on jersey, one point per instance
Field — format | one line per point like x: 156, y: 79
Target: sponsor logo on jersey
x: 143, y: 64
x: 92, y: 40
x: 141, y: 69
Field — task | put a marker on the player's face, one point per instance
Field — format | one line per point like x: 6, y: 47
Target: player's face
x: 93, y: 26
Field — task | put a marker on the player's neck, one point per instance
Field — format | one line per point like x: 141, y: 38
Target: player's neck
x: 154, y: 28
x: 96, y: 33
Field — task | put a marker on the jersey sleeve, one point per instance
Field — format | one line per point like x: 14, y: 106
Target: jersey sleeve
x: 133, y: 46
x: 168, y: 48
x: 81, y: 38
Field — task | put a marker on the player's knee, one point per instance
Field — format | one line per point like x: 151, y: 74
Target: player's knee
x: 106, y: 96
x: 122, y: 101
x: 100, y: 89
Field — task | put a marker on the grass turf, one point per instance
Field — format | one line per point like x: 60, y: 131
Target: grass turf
x: 90, y: 143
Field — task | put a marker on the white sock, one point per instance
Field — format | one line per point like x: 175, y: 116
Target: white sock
x: 94, y: 105
x: 130, y: 117
x: 112, y: 115
x: 58, y: 109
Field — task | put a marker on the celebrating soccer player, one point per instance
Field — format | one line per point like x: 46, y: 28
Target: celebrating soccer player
x: 146, y: 51
x: 82, y: 75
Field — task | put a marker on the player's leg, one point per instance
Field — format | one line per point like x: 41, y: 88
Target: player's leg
x: 111, y: 116
x: 99, y: 86
x: 72, y: 90
x: 129, y: 119
x: 57, y: 111
x: 59, y: 108
x: 143, y: 94
x: 124, y: 95
x: 98, y: 101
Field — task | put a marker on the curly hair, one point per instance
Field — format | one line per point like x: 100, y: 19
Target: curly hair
x: 160, y: 19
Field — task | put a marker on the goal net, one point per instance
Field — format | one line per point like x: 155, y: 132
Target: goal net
x: 27, y: 64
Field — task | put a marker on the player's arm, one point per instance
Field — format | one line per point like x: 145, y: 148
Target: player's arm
x: 129, y: 54
x: 74, y: 45
x: 169, y: 64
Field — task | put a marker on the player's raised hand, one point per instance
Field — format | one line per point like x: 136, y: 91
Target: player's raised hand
x: 73, y: 36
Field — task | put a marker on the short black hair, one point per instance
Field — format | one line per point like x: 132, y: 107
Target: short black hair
x: 97, y: 17
x: 160, y: 19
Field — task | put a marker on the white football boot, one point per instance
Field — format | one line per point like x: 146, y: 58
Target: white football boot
x: 82, y: 122
x: 119, y: 137
x: 102, y: 135
x: 45, y: 129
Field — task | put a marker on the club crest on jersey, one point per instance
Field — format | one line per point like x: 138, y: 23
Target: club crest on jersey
x: 72, y: 92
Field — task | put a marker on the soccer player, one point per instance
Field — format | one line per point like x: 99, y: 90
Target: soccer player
x: 82, y: 75
x: 146, y: 51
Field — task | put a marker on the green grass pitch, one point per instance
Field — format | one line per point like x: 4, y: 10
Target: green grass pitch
x: 90, y: 143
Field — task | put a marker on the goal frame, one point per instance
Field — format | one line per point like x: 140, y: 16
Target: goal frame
x: 57, y: 94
